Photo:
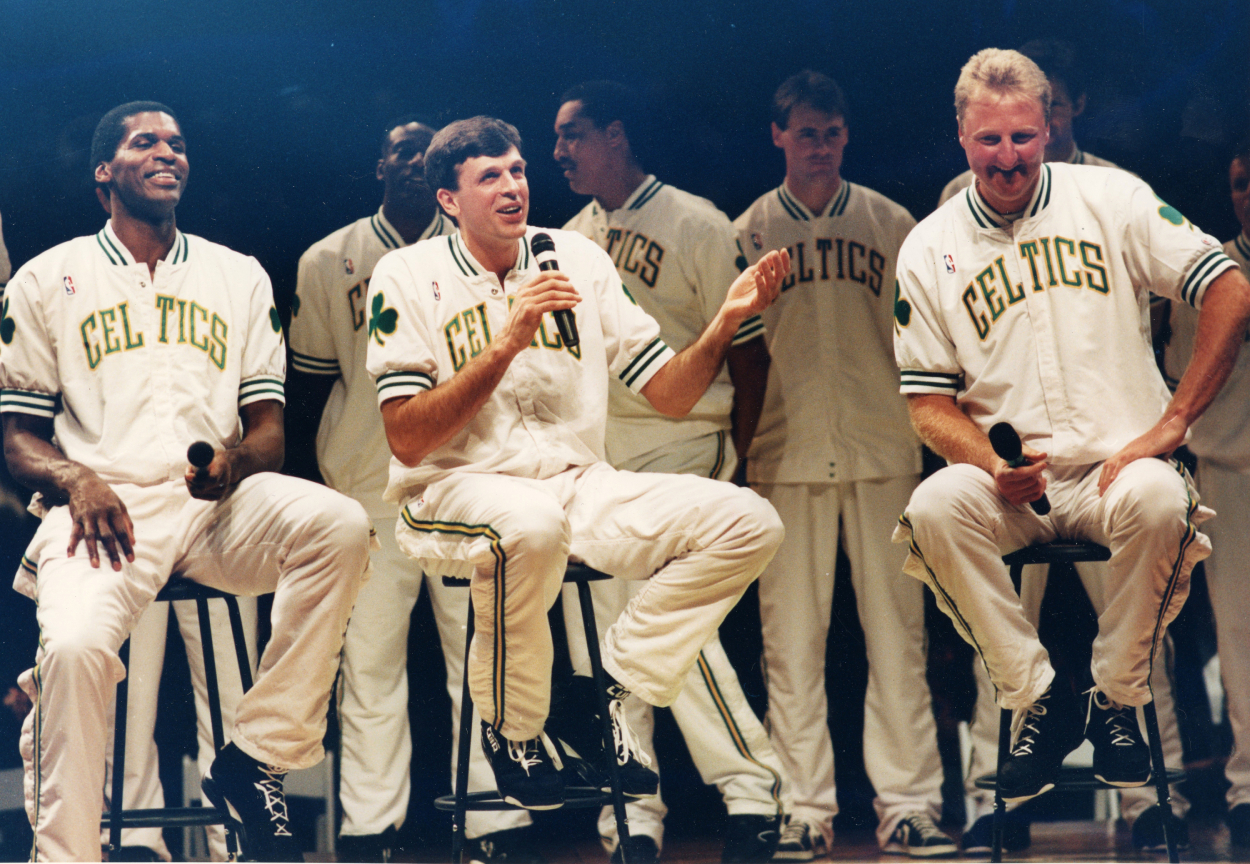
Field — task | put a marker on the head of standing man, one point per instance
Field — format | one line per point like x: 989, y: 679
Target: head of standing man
x: 407, y: 201
x: 593, y: 143
x: 809, y: 126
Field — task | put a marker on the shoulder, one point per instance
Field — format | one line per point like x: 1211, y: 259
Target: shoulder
x: 1098, y: 161
x: 880, y: 206
x: 207, y: 250
x: 330, y: 246
x: 762, y: 209
x: 584, y: 219
x: 960, y: 182
x: 565, y: 238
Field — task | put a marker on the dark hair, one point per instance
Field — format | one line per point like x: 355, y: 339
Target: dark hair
x: 1242, y: 151
x: 808, y: 88
x: 458, y: 142
x: 1058, y: 62
x: 606, y: 102
x: 404, y: 120
x: 111, y: 129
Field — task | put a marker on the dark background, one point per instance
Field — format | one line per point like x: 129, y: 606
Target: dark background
x: 283, y: 105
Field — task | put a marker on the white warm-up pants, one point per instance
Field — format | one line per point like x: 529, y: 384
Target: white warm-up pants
x: 147, y: 658
x: 984, y: 729
x: 699, y: 543
x: 959, y: 528
x: 1228, y: 493
x: 375, y: 767
x: 796, y: 603
x: 727, y: 742
x: 306, y: 543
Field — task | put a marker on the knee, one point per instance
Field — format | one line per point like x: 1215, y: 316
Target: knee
x: 943, y: 494
x: 767, y: 528
x: 1154, y: 497
x: 88, y: 652
x: 339, y: 522
x: 539, y: 529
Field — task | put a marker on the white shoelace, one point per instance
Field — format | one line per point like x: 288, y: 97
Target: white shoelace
x: 1121, y: 721
x: 623, y: 739
x: 794, y: 833
x: 526, y: 753
x: 1024, y: 727
x: 275, y: 800
x: 923, y: 825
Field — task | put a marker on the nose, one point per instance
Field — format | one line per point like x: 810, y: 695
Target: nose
x: 558, y: 153
x: 163, y: 151
x: 1006, y: 155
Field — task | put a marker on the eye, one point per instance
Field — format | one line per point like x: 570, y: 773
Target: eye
x: 1022, y: 137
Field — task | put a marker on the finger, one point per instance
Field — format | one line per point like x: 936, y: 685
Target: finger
x: 1106, y: 476
x: 109, y: 540
x: 89, y: 537
x: 124, y: 529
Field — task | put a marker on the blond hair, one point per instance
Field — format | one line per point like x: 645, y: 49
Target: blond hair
x: 1003, y: 72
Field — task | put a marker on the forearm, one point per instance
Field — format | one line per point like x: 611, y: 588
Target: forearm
x: 950, y: 433
x: 418, y: 425
x: 748, y: 370
x: 263, y: 446
x: 1222, y: 325
x: 38, y: 464
x: 683, y: 380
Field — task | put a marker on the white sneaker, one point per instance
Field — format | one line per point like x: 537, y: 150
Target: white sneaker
x: 916, y: 836
x: 800, y: 841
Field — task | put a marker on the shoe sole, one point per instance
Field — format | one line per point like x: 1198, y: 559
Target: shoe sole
x: 793, y: 856
x: 1124, y: 784
x: 922, y: 851
x: 1016, y: 799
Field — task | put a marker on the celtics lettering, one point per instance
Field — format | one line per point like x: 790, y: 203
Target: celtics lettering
x: 836, y: 258
x: 468, y: 334
x: 111, y: 331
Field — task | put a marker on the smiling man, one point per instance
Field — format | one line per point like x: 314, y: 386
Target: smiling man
x: 1023, y: 300
x: 119, y: 350
x: 497, y: 427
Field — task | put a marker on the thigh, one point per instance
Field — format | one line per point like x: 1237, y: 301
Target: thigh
x: 631, y: 524
x: 800, y: 578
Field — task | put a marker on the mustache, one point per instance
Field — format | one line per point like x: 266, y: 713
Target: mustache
x: 1007, y: 172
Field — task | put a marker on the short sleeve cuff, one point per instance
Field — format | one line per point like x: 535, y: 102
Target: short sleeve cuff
x: 314, y: 365
x: 260, y: 388
x: 402, y: 383
x: 917, y: 381
x: 1202, y: 274
x: 28, y: 402
x: 645, y: 364
x: 752, y: 328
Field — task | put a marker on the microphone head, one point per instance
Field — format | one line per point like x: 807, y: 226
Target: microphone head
x: 1005, y: 441
x: 542, y: 243
x: 200, y: 454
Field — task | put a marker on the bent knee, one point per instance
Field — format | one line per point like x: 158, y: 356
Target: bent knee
x: 952, y: 488
x: 1153, y: 496
x: 540, y: 528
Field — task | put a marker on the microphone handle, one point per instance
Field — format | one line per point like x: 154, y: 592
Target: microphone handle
x: 1042, y: 505
x: 564, y: 317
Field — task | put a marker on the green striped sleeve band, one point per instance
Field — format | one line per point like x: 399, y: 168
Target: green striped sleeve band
x: 1202, y: 274
x: 402, y: 383
x: 645, y: 364
x: 314, y: 365
x: 261, y: 388
x: 752, y: 328
x: 29, y: 566
x: 916, y: 381
x: 28, y: 402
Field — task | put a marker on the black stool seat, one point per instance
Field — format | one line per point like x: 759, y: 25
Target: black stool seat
x: 460, y: 801
x: 1076, y: 552
x: 178, y: 588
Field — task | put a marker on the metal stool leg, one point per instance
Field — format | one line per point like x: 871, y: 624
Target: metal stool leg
x: 1160, y: 775
x: 601, y: 694
x: 119, y: 752
x: 240, y: 642
x: 1000, y: 806
x: 462, y: 751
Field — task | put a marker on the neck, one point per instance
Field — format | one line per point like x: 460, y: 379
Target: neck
x: 1061, y: 152
x: 148, y: 241
x: 814, y: 194
x: 618, y: 186
x: 410, y: 220
x: 498, y: 257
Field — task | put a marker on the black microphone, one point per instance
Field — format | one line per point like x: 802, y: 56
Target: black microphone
x: 200, y: 454
x: 1006, y: 443
x: 544, y: 249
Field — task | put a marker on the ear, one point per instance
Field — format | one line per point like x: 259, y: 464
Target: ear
x: 615, y: 132
x: 1078, y: 107
x: 103, y: 173
x: 378, y: 171
x: 959, y: 133
x: 447, y: 199
x: 777, y: 133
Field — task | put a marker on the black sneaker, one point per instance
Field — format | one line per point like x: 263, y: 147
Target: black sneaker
x: 512, y: 846
x: 800, y: 841
x: 750, y: 838
x: 370, y: 848
x: 637, y: 778
x: 527, y: 773
x: 1121, y: 757
x: 917, y: 837
x: 251, y: 792
x: 1044, y: 732
x: 979, y: 839
x: 1238, y: 820
x: 640, y: 849
x: 1148, y: 831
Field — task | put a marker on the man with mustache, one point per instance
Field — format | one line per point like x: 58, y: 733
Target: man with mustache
x: 1024, y: 300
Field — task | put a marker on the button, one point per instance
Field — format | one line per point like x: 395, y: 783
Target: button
x: 494, y: 292
x: 143, y: 284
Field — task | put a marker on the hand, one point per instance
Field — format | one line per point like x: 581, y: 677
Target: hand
x: 758, y: 286
x: 1024, y: 484
x: 1160, y: 440
x: 214, y: 482
x: 100, y: 517
x: 549, y: 291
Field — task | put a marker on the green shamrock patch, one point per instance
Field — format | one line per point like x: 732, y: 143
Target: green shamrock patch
x: 275, y: 320
x: 381, y: 321
x: 7, y: 324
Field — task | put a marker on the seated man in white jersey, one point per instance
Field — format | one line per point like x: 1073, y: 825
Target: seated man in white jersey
x: 1058, y: 61
x: 1024, y: 301
x: 334, y: 419
x: 496, y: 422
x: 1221, y: 441
x: 677, y: 256
x: 128, y: 346
x: 837, y: 457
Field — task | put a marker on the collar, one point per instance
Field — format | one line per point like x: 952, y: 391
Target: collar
x: 392, y: 239
x: 986, y: 216
x: 799, y: 212
x: 120, y: 256
x: 645, y: 192
x: 470, y: 266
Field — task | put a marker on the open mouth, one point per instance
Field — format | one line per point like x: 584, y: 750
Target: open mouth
x: 1007, y: 174
x: 512, y: 210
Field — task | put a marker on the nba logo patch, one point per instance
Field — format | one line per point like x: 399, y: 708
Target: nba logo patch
x: 757, y: 241
x: 69, y: 285
x: 437, y: 296
x: 950, y: 263
x: 348, y: 268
